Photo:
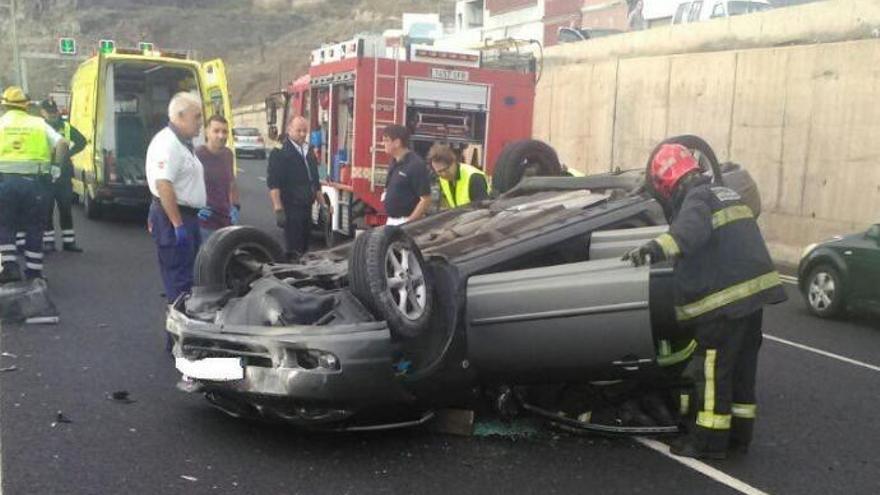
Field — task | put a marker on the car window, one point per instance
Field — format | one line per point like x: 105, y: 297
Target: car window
x: 694, y: 14
x: 679, y: 12
x: 745, y: 7
x: 718, y: 10
x: 245, y: 131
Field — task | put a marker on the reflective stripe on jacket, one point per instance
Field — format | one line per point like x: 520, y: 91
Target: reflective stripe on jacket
x: 24, y: 148
x: 722, y: 266
x: 462, y: 185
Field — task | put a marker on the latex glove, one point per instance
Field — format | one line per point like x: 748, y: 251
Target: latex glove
x: 235, y: 215
x: 641, y: 255
x: 280, y: 218
x: 182, y: 236
x: 205, y: 213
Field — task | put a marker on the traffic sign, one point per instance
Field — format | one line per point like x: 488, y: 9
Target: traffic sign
x: 145, y: 46
x: 67, y: 46
x: 107, y: 46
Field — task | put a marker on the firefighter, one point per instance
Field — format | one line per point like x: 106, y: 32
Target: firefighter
x: 723, y: 277
x: 461, y: 183
x: 26, y: 146
x: 61, y: 189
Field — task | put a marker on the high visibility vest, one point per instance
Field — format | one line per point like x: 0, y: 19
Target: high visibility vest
x: 462, y: 186
x: 65, y: 131
x: 24, y: 148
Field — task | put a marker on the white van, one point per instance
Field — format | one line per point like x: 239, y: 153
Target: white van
x: 703, y: 10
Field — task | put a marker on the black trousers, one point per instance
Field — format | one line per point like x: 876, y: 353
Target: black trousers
x: 297, y: 230
x: 723, y: 370
x: 60, y: 192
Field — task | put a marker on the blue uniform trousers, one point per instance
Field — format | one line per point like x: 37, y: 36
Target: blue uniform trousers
x: 23, y: 207
x: 176, y: 263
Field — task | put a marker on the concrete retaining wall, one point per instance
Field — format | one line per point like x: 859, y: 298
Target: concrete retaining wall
x: 804, y: 119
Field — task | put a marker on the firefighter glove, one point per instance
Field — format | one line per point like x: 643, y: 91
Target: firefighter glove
x: 280, y: 218
x: 235, y: 215
x: 205, y: 213
x: 643, y: 254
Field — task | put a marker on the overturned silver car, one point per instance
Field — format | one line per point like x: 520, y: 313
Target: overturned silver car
x: 476, y: 305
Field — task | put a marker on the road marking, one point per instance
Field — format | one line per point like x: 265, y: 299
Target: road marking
x: 1, y: 421
x: 788, y: 279
x: 702, y: 468
x: 821, y: 352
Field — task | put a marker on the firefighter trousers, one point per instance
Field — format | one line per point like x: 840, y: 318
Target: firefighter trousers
x: 723, y: 371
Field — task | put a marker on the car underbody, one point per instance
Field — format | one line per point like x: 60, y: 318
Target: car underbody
x: 517, y: 303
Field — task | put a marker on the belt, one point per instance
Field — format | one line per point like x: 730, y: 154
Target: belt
x: 187, y: 211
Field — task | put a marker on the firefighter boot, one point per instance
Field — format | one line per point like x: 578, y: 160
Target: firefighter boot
x: 702, y: 443
x: 741, y: 435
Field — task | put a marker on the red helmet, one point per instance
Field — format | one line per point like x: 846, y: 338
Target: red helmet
x: 670, y: 164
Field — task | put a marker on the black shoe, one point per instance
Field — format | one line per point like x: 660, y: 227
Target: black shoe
x: 73, y: 248
x: 700, y: 446
x: 10, y: 273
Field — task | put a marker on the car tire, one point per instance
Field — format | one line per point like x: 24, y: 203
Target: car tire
x: 228, y: 258
x: 388, y: 254
x: 528, y: 157
x: 824, y: 291
x: 91, y: 206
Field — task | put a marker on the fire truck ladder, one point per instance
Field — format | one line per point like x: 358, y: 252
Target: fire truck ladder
x: 382, y: 99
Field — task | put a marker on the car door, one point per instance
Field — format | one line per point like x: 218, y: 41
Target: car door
x: 588, y: 320
x: 863, y: 258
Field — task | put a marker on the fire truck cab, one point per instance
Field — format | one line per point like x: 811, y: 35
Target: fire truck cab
x: 353, y: 90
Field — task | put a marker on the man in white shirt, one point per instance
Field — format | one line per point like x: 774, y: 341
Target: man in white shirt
x: 177, y: 182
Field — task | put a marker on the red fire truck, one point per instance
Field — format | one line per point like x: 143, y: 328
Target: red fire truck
x: 473, y: 101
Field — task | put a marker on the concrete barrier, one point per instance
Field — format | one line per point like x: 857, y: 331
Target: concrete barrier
x: 804, y: 118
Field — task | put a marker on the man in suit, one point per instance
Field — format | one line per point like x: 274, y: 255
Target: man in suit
x: 294, y: 186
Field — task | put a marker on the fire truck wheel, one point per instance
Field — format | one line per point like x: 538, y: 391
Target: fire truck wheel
x: 231, y: 258
x: 388, y: 275
x: 528, y: 157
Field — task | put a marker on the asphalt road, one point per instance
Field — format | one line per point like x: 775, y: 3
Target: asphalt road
x: 817, y: 433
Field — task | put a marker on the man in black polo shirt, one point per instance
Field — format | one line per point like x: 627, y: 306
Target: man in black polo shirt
x: 294, y: 186
x: 408, y: 188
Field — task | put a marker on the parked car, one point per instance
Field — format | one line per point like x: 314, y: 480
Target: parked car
x: 474, y: 304
x: 248, y: 141
x: 840, y: 272
x: 703, y: 10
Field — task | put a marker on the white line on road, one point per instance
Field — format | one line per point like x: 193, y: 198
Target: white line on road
x: 1, y: 421
x: 789, y: 279
x: 821, y: 352
x: 702, y: 468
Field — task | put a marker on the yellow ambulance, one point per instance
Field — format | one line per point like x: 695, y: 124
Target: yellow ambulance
x: 119, y: 101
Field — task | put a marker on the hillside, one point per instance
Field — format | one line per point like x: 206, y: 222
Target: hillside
x: 263, y: 42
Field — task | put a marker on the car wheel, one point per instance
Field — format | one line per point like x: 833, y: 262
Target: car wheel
x: 91, y: 205
x: 524, y: 158
x: 232, y: 258
x: 824, y: 291
x: 388, y: 275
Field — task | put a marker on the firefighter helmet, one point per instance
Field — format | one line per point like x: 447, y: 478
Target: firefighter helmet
x: 670, y: 164
x: 15, y: 97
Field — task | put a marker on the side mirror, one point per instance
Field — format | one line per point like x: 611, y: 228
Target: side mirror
x: 271, y: 112
x: 873, y: 233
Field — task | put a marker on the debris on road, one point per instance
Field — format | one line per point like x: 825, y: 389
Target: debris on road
x: 60, y: 418
x: 121, y: 396
x: 189, y: 478
x: 511, y: 429
x: 8, y: 368
x: 9, y: 355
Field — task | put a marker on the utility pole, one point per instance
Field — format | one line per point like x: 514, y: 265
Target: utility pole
x: 16, y: 59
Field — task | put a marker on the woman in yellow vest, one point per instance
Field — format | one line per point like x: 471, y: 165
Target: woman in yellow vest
x: 461, y: 183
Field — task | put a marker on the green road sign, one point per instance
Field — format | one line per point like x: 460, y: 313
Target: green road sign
x: 67, y: 46
x: 107, y: 46
x: 145, y: 47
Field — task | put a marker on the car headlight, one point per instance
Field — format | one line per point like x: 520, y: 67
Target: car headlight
x: 808, y: 249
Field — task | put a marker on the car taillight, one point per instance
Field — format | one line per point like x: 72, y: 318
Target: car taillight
x: 110, y: 167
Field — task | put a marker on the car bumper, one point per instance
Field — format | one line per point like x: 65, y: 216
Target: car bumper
x: 250, y: 148
x: 278, y: 378
x: 124, y: 195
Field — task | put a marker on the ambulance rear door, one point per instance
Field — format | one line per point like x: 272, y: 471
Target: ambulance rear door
x: 215, y: 94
